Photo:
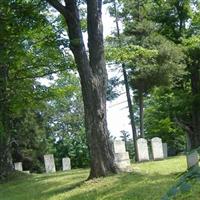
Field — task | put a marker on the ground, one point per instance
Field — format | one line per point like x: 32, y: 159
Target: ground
x: 148, y: 181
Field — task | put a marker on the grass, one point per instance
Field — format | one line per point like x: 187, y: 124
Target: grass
x: 148, y: 181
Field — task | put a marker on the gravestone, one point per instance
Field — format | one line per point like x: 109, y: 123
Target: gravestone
x: 49, y: 163
x: 142, y: 150
x: 192, y: 159
x: 26, y: 172
x: 165, y: 150
x: 66, y: 163
x: 119, y: 146
x: 157, y: 148
x: 122, y: 159
x: 18, y: 166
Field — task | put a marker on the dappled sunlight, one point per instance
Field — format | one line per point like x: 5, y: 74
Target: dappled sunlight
x: 148, y: 181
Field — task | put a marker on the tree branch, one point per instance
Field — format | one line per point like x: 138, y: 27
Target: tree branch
x: 57, y: 5
x: 39, y: 75
x: 183, y: 125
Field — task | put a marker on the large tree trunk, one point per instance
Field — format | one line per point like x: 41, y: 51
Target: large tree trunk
x: 93, y: 76
x: 5, y: 148
x: 195, y: 84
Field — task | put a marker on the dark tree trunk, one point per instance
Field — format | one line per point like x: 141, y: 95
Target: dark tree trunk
x: 130, y: 110
x: 141, y: 107
x: 5, y: 148
x: 93, y: 76
x: 195, y: 84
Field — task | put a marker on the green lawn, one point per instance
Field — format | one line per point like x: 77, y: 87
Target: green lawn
x: 148, y: 181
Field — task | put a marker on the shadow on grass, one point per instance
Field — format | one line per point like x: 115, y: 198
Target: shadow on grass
x: 74, y: 173
x: 134, y: 186
x: 72, y: 186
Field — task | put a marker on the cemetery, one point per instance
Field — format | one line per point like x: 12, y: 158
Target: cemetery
x: 99, y: 100
x: 135, y: 179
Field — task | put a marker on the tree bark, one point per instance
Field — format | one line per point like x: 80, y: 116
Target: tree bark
x: 130, y: 110
x: 93, y: 77
x: 195, y: 85
x: 141, y: 107
x: 5, y: 147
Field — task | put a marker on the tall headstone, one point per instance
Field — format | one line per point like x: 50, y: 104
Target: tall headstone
x: 192, y: 159
x: 49, y: 163
x: 18, y: 166
x: 66, y: 163
x: 165, y: 150
x: 122, y: 159
x: 142, y: 150
x: 157, y: 148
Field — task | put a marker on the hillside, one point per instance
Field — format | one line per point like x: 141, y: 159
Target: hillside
x: 148, y: 181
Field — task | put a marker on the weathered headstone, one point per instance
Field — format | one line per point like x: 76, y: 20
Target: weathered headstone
x: 192, y: 159
x: 49, y: 163
x: 165, y: 150
x: 122, y: 159
x: 119, y: 146
x: 157, y: 148
x: 142, y: 150
x: 66, y: 163
x: 18, y: 166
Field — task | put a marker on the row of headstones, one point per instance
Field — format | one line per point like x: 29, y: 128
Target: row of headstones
x: 121, y: 156
x: 122, y: 160
x: 159, y: 149
x: 49, y: 164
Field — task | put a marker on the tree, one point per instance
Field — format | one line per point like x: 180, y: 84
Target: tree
x: 13, y: 25
x: 192, y: 50
x: 93, y: 77
x: 179, y: 22
x: 163, y: 105
x: 28, y: 47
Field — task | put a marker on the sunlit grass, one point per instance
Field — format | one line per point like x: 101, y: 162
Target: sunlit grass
x: 148, y: 181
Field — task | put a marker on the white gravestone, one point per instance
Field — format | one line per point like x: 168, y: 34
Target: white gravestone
x: 49, y: 163
x: 119, y: 146
x: 26, y: 172
x: 192, y: 159
x: 142, y: 150
x: 165, y: 150
x: 122, y: 159
x: 66, y: 163
x: 157, y: 148
x: 18, y: 166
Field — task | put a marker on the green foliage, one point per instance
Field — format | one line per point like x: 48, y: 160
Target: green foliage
x: 159, y: 118
x: 32, y: 47
x: 173, y: 17
x: 112, y: 92
x: 64, y: 114
x: 129, y: 53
